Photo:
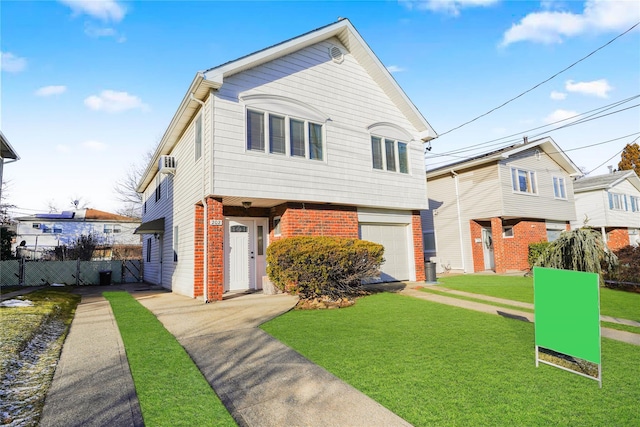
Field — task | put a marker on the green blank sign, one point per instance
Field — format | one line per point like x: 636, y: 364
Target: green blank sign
x: 567, y: 312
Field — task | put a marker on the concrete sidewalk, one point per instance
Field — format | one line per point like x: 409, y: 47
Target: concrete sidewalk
x: 92, y: 385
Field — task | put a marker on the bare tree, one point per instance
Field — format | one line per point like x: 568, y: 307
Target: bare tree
x: 78, y: 202
x: 126, y: 187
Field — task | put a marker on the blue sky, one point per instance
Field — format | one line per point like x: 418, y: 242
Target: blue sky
x: 87, y: 87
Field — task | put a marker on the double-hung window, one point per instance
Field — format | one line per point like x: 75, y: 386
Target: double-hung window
x: 618, y: 202
x: 635, y: 203
x: 282, y: 134
x: 559, y: 188
x: 392, y: 157
x: 523, y: 181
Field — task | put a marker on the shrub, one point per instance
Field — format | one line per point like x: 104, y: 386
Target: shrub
x: 535, y: 251
x: 581, y: 249
x: 628, y: 269
x: 322, y: 266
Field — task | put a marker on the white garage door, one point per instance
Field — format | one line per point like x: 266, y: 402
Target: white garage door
x: 394, y: 239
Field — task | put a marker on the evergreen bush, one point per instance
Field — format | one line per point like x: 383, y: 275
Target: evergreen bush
x: 323, y: 266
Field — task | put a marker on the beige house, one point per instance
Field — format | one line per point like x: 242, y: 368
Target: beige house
x: 485, y: 211
x: 610, y: 203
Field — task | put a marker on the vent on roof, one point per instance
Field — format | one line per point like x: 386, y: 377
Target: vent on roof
x: 167, y: 164
x: 336, y: 54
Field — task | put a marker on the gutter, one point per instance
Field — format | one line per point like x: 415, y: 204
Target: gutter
x: 455, y: 179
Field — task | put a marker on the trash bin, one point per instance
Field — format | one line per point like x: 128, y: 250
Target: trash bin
x: 105, y: 278
x: 430, y: 272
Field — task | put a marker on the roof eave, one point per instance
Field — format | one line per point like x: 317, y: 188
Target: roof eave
x: 6, y: 150
x: 199, y: 88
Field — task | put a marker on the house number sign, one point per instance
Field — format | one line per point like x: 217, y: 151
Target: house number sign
x: 215, y: 222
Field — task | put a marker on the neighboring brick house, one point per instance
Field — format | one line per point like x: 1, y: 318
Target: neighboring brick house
x: 312, y: 136
x: 40, y: 233
x: 611, y: 204
x: 485, y: 211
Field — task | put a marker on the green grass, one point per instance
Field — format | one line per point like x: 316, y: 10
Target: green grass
x: 434, y: 364
x: 170, y: 388
x: 618, y: 326
x: 614, y: 303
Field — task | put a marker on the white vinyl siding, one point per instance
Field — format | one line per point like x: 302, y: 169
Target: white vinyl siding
x: 343, y: 93
x: 198, y: 137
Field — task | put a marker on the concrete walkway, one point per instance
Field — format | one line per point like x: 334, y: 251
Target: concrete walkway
x: 92, y: 385
x: 412, y: 290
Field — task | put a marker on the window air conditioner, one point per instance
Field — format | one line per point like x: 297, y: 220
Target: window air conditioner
x: 167, y: 164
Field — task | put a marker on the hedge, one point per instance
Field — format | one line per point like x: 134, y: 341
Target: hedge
x: 323, y: 266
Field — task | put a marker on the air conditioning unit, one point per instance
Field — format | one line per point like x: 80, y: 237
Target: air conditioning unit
x: 167, y: 164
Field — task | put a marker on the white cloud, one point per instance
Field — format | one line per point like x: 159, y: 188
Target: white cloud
x: 95, y: 32
x: 104, y: 10
x: 559, y: 115
x: 11, y: 63
x: 558, y: 96
x: 599, y: 88
x: 550, y: 27
x: 449, y: 7
x: 114, y: 102
x: 51, y: 90
x: 395, y: 69
x: 94, y: 145
x: 63, y: 148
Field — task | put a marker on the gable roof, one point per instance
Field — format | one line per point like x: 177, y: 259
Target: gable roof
x: 213, y: 78
x: 546, y: 144
x: 6, y: 150
x: 605, y: 182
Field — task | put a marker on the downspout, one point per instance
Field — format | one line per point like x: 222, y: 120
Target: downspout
x: 205, y: 284
x: 455, y: 180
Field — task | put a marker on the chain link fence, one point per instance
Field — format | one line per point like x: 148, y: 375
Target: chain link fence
x: 24, y: 272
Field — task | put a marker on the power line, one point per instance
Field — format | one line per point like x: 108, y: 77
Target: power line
x: 609, y: 159
x: 487, y: 143
x: 541, y: 83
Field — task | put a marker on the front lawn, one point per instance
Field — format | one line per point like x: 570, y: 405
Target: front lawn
x: 614, y: 303
x: 434, y: 364
x: 170, y: 388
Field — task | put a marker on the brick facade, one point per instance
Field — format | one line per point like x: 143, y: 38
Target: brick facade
x: 617, y: 238
x: 305, y: 219
x: 510, y: 253
x: 416, y: 228
x: 215, y: 251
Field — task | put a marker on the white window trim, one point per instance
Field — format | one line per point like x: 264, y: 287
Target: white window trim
x: 504, y: 229
x: 564, y: 185
x: 383, y: 150
x: 528, y: 171
x: 287, y: 135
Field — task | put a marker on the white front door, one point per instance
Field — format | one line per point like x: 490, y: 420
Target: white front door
x: 487, y: 249
x: 240, y: 256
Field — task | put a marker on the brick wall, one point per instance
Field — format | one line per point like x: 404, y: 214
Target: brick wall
x: 416, y: 227
x: 298, y: 219
x: 515, y: 250
x: 215, y: 250
x: 476, y: 247
x: 617, y: 238
x: 198, y: 252
x: 510, y: 253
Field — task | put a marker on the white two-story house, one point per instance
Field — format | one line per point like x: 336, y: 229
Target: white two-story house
x: 311, y: 136
x: 485, y: 211
x: 611, y: 204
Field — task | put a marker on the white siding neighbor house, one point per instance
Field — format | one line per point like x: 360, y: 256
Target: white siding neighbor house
x: 312, y: 136
x: 41, y: 233
x: 485, y: 211
x: 610, y: 203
